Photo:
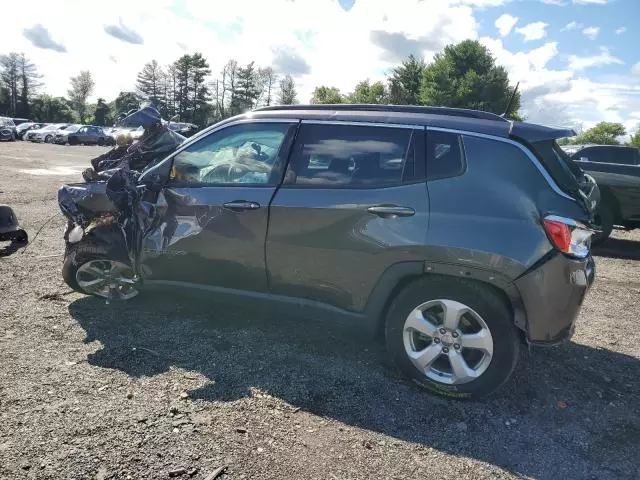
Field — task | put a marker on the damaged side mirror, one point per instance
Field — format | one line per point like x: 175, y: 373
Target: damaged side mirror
x: 153, y: 181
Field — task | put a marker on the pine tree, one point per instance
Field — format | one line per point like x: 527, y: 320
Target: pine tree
x: 247, y: 89
x: 149, y: 85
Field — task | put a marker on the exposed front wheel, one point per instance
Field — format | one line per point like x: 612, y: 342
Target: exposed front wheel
x: 87, y: 269
x: 48, y: 139
x: 453, y: 337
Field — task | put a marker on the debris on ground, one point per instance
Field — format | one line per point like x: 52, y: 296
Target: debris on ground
x: 177, y: 472
x: 216, y: 473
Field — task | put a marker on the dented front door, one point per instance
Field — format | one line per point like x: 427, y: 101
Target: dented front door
x: 214, y: 210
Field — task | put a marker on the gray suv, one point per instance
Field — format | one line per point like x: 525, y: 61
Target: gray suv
x: 455, y: 234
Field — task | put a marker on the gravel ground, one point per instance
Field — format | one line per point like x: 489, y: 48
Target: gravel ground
x: 151, y: 390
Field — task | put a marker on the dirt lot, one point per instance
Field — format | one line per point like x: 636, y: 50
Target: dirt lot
x: 142, y: 389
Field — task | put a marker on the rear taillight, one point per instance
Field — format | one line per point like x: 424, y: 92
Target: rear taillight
x: 569, y: 236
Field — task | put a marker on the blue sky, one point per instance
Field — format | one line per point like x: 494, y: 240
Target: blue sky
x: 577, y: 60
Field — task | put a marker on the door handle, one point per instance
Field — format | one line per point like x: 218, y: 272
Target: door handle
x: 241, y: 205
x: 391, y: 211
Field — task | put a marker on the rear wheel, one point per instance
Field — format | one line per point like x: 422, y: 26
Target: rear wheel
x: 88, y: 269
x: 452, y: 337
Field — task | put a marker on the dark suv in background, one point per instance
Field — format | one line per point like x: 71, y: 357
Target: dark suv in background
x: 456, y: 233
x: 616, y: 169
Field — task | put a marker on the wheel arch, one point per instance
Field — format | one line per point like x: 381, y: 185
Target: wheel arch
x: 399, y: 275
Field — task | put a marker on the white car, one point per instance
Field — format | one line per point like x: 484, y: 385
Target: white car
x: 45, y: 134
x: 134, y: 132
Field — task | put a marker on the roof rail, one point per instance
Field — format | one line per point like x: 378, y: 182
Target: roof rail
x: 456, y: 112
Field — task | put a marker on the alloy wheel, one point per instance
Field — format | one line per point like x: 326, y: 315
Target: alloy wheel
x: 107, y: 279
x: 448, y: 341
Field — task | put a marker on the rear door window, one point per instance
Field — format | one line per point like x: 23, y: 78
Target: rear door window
x: 445, y: 155
x: 595, y: 154
x: 627, y: 156
x: 351, y: 156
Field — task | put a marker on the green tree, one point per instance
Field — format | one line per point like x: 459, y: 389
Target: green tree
x: 81, y: 88
x: 191, y: 93
x: 327, y: 95
x: 247, y: 89
x: 125, y: 102
x: 30, y: 82
x: 102, y: 113
x: 604, y: 133
x: 10, y: 79
x: 635, y: 139
x: 45, y: 108
x: 149, y: 84
x: 465, y: 75
x: 268, y: 79
x: 366, y: 92
x: 5, y: 103
x: 405, y: 81
x: 287, y: 94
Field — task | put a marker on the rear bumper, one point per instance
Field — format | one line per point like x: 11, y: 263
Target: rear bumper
x: 552, y: 296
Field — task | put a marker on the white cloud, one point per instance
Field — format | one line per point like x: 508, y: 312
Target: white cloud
x: 603, y: 58
x: 554, y: 2
x: 505, y: 24
x: 593, y: 2
x: 591, y: 32
x: 573, y: 25
x: 316, y: 39
x: 621, y: 30
x: 636, y: 69
x: 533, y: 31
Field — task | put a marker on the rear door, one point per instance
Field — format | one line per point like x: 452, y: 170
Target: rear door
x: 215, y: 207
x: 353, y: 202
x: 94, y: 133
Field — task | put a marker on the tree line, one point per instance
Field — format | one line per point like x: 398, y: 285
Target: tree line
x: 184, y: 89
x: 463, y: 75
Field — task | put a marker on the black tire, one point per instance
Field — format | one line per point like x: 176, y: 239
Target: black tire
x: 483, y: 300
x: 604, y: 219
x: 80, y: 253
x: 48, y: 139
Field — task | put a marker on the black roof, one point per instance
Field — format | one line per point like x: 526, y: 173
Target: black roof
x: 443, y: 117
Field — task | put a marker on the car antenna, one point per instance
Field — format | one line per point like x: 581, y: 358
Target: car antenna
x: 513, y: 97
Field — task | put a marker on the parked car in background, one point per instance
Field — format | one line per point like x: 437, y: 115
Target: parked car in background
x: 20, y: 121
x: 45, y: 134
x: 457, y: 233
x: 184, y: 129
x: 616, y: 169
x: 83, y: 134
x: 7, y: 129
x: 135, y: 133
x: 23, y: 128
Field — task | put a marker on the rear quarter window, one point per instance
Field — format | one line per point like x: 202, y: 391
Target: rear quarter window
x: 445, y: 155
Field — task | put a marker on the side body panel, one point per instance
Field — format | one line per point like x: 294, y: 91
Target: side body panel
x: 324, y: 245
x: 490, y: 217
x: 201, y: 242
